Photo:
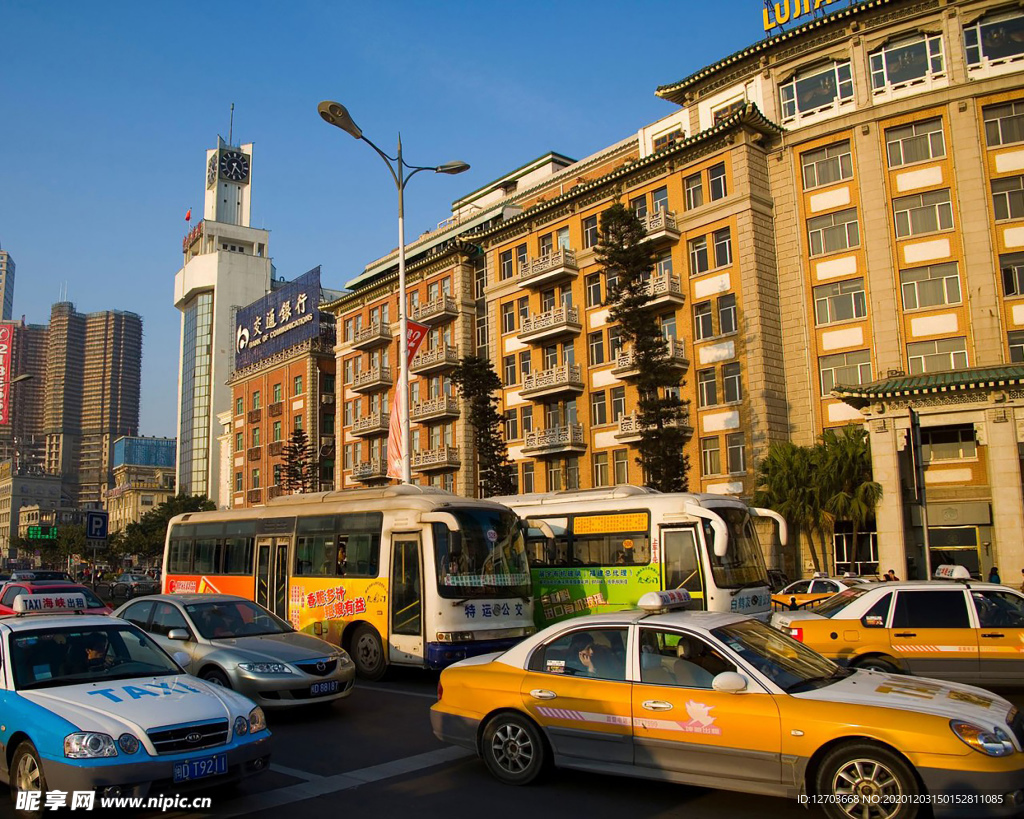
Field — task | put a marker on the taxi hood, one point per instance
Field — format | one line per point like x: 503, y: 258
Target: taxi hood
x: 923, y: 695
x: 138, y: 705
x: 782, y: 619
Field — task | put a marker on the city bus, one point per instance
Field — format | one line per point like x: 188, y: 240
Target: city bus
x: 599, y: 550
x: 403, y: 575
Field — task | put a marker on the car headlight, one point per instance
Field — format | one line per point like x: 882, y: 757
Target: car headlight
x: 265, y: 668
x: 995, y: 742
x: 257, y: 720
x: 128, y: 743
x: 241, y: 726
x: 344, y: 660
x: 88, y: 745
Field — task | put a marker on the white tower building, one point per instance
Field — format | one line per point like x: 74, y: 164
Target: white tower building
x: 226, y: 265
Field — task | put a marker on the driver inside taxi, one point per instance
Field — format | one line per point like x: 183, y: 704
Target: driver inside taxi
x: 97, y: 656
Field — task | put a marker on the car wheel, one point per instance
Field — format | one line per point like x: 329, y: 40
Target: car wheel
x: 367, y: 652
x: 513, y: 749
x: 27, y: 775
x: 882, y: 664
x: 866, y: 780
x: 215, y: 676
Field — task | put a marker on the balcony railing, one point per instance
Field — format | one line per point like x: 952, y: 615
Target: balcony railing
x: 630, y: 428
x: 255, y: 453
x: 435, y: 409
x: 370, y: 470
x: 376, y: 335
x: 276, y: 410
x: 546, y: 269
x: 566, y: 378
x: 626, y: 366
x: 274, y: 492
x: 560, y: 321
x: 661, y: 224
x: 445, y: 357
x: 436, y: 311
x: 327, y: 398
x: 254, y: 416
x: 555, y: 440
x: 445, y: 457
x: 665, y: 288
x: 373, y: 380
x: 275, y: 448
x: 254, y: 496
x: 374, y: 424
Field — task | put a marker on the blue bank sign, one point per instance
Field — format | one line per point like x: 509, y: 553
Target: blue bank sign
x: 277, y: 321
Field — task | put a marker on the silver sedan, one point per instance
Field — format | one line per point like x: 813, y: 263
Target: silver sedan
x: 237, y: 643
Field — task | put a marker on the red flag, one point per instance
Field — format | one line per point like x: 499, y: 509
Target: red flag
x: 188, y: 215
x: 396, y: 426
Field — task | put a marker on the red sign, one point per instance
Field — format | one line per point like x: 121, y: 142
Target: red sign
x: 6, y: 342
x: 416, y: 334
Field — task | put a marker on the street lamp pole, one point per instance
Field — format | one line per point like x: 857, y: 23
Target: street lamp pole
x: 334, y: 113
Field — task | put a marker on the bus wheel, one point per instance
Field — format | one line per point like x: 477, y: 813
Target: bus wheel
x: 368, y: 653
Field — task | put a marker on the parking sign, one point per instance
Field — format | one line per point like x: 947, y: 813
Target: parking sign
x: 96, y: 525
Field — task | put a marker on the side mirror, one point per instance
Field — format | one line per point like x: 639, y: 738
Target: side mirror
x: 729, y: 682
x: 872, y: 621
x: 181, y: 658
x: 179, y: 634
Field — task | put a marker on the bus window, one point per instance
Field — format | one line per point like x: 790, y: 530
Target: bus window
x: 617, y: 549
x: 204, y: 561
x: 355, y: 552
x: 682, y: 569
x: 180, y: 559
x: 743, y: 563
x: 484, y: 558
x: 238, y: 555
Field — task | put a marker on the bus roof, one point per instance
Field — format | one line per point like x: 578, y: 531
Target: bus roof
x: 597, y: 498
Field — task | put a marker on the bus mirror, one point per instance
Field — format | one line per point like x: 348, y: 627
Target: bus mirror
x: 447, y: 518
x: 781, y: 521
x: 542, y: 526
x: 718, y: 526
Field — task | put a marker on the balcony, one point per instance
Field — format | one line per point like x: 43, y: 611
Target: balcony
x: 276, y: 448
x: 274, y: 492
x: 567, y: 378
x: 665, y: 289
x: 436, y: 460
x: 630, y: 428
x: 375, y: 380
x: 549, y: 269
x: 327, y: 398
x: 374, y: 424
x: 436, y: 409
x: 254, y: 416
x: 374, y: 470
x: 254, y: 496
x: 660, y: 226
x: 555, y: 441
x: 563, y: 321
x: 626, y: 367
x: 437, y: 311
x: 276, y: 410
x: 326, y: 444
x: 429, y: 362
x: 255, y: 453
x: 376, y: 335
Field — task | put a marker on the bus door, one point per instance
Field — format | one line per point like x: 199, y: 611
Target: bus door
x: 406, y: 640
x: 681, y: 564
x: 272, y: 574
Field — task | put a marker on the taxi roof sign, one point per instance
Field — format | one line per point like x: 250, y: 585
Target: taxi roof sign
x: 951, y: 571
x: 664, y: 600
x: 50, y: 603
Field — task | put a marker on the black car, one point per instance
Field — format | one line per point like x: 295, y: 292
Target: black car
x: 128, y: 585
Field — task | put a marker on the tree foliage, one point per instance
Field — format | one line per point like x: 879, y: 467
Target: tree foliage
x: 146, y: 538
x: 478, y: 384
x: 628, y: 261
x: 814, y: 487
x: 299, y: 473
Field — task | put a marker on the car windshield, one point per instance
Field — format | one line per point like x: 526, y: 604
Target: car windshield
x: 838, y: 602
x: 486, y: 557
x: 789, y: 664
x: 742, y: 564
x: 234, y: 618
x: 95, y: 654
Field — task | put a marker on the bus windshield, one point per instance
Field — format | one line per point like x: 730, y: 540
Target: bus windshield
x: 485, y: 558
x: 742, y: 564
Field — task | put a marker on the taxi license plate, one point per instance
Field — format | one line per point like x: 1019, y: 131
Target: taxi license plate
x: 200, y: 768
x: 321, y: 689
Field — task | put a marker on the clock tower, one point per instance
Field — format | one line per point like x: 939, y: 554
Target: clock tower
x: 228, y: 170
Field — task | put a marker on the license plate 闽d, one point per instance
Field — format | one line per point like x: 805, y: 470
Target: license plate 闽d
x: 322, y: 689
x: 190, y: 769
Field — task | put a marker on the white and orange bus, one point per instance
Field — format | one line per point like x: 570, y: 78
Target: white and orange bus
x: 403, y: 575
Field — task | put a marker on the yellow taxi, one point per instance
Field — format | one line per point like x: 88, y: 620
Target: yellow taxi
x: 953, y: 628
x: 806, y: 594
x: 719, y: 700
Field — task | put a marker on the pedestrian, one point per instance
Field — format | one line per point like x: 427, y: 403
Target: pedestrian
x: 891, y: 575
x: 1022, y: 580
x: 993, y: 575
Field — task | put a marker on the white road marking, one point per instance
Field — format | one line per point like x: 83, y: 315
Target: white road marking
x: 295, y: 772
x: 388, y: 690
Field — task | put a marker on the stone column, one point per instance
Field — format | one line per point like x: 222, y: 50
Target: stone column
x: 886, y: 443
x: 1000, y: 437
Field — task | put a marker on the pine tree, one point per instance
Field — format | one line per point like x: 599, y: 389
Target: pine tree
x: 477, y: 383
x: 628, y: 261
x: 297, y: 475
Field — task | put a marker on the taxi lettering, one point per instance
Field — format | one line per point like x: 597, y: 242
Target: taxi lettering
x: 136, y: 692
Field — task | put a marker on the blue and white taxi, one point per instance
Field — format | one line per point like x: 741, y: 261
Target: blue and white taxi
x: 91, y: 703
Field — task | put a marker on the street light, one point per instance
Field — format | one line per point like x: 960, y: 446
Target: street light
x: 334, y: 113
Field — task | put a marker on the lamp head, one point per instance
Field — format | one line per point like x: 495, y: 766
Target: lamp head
x: 334, y: 113
x: 452, y: 167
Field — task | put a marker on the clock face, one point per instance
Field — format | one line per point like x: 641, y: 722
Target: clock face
x: 211, y: 172
x: 234, y: 166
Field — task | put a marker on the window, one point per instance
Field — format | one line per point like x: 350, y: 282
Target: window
x: 278, y: 469
x: 590, y: 235
x: 256, y: 436
x: 936, y: 356
x: 727, y: 314
x: 618, y: 403
x: 554, y: 477
x: 511, y: 425
x: 1016, y: 341
x: 572, y: 473
x: 659, y: 200
x: 994, y: 39
x: 595, y: 341
x: 596, y: 653
x: 930, y: 286
x: 614, y: 342
x: 355, y: 552
x: 508, y: 366
x: 694, y: 187
x: 948, y: 443
x: 1008, y: 197
x: 707, y: 388
x: 922, y: 213
x: 812, y: 92
x: 735, y: 449
x: 998, y: 609
x: 668, y: 326
x: 620, y: 466
x: 600, y: 469
x: 598, y: 408
x: 906, y: 62
x: 710, y: 457
x: 526, y: 483
x: 508, y: 318
x: 522, y: 309
x: 546, y: 245
x: 1004, y: 124
x: 256, y: 478
x: 346, y: 462
x: 840, y: 301
x: 297, y: 384
x: 663, y: 264
x: 298, y: 422
x: 833, y: 232
x: 723, y: 247
x: 827, y: 165
x: 918, y: 142
x: 732, y: 382
x: 702, y: 321
x: 638, y: 206
x: 665, y: 140
x: 239, y: 486
x: 521, y: 257
x: 256, y: 400
x: 277, y: 430
x: 562, y: 238
x: 349, y: 332
x: 1012, y: 266
x: 717, y: 187
x: 723, y: 112
x: 524, y: 363
x: 699, y: 256
x: 527, y: 416
x: 239, y: 406
x: 507, y: 264
x: 593, y: 287
x: 930, y: 609
x: 347, y: 372
x: 844, y: 368
x: 239, y: 442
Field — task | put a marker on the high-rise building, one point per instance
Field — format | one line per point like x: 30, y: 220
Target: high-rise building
x: 22, y: 440
x: 143, y: 478
x: 6, y: 285
x: 226, y: 265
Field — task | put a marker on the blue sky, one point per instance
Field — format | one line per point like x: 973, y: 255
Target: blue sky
x: 107, y: 110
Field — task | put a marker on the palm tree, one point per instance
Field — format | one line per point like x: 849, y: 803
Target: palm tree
x: 853, y: 493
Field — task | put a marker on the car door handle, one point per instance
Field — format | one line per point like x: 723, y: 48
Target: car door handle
x: 543, y: 694
x: 993, y: 635
x: 905, y: 634
x: 657, y: 705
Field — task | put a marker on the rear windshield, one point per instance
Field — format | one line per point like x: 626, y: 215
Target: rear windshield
x: 838, y: 602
